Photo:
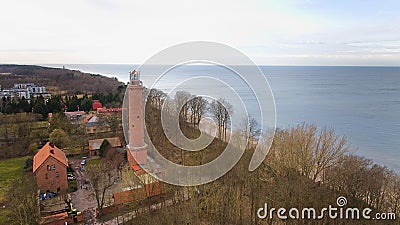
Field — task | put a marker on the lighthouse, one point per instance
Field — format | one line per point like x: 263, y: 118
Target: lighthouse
x: 136, y: 147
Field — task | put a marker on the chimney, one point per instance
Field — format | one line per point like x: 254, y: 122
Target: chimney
x: 52, y: 151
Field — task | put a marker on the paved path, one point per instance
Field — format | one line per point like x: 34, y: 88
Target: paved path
x: 83, y: 198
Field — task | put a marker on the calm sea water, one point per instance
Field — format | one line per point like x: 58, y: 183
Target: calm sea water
x: 362, y: 103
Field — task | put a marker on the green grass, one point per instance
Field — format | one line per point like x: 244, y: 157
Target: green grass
x: 39, y: 125
x: 13, y: 128
x: 93, y: 161
x: 3, y: 215
x: 10, y: 169
x: 72, y: 186
x: 73, y: 151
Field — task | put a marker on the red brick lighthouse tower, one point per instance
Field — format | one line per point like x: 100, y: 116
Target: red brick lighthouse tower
x: 136, y: 149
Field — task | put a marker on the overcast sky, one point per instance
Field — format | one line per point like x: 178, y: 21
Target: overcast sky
x: 271, y: 32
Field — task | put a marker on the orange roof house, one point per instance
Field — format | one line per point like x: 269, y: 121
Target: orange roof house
x: 50, y: 169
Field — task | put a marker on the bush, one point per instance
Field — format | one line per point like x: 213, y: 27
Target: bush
x: 70, y: 170
x: 33, y: 147
x: 72, y: 186
x: 28, y: 164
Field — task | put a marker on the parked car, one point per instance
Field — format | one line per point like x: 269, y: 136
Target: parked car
x: 47, y: 195
x: 83, y: 162
x: 70, y: 177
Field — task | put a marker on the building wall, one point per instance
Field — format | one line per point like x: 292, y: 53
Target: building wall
x: 136, y: 145
x: 97, y: 129
x: 136, y: 122
x: 26, y: 90
x: 61, y: 219
x: 136, y: 156
x: 94, y: 153
x: 48, y: 179
x: 149, y: 190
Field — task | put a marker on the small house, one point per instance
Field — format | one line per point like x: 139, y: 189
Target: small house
x: 96, y: 144
x: 50, y: 169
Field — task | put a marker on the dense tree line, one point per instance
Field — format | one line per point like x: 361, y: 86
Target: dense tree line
x: 110, y: 99
x: 57, y: 103
x: 36, y: 105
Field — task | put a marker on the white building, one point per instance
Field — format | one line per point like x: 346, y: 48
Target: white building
x: 25, y: 90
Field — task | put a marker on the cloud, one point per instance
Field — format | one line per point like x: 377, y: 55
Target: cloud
x: 122, y: 31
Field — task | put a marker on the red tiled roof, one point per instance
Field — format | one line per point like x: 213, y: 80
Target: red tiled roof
x: 136, y: 167
x: 96, y: 104
x: 48, y: 151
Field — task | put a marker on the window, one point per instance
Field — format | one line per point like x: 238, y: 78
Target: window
x: 53, y: 167
x: 47, y: 176
x: 57, y: 174
x: 48, y: 167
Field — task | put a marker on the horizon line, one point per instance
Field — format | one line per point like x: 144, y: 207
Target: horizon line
x: 136, y: 64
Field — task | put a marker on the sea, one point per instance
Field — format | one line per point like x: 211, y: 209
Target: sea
x: 361, y: 103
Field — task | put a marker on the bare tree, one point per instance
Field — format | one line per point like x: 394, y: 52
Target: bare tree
x: 392, y: 201
x: 197, y: 106
x: 22, y: 198
x: 361, y: 178
x: 308, y: 151
x: 328, y: 151
x: 113, y: 158
x: 181, y: 99
x: 102, y: 177
x: 221, y: 111
x: 114, y: 123
x: 249, y: 129
x: 156, y: 98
